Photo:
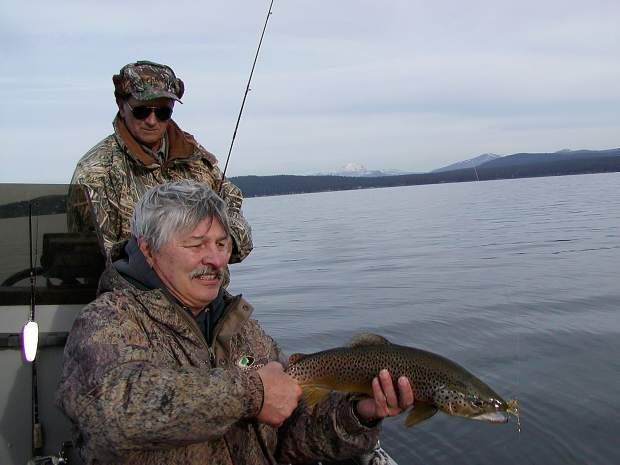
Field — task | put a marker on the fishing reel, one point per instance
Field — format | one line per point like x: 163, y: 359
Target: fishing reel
x: 58, y: 459
x: 47, y: 460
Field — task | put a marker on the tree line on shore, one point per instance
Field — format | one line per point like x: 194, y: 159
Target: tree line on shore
x: 509, y: 167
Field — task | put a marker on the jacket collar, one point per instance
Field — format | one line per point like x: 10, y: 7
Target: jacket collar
x: 163, y: 307
x: 180, y: 144
x: 132, y: 265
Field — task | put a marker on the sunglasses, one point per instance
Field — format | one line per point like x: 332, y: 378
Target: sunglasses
x: 143, y: 112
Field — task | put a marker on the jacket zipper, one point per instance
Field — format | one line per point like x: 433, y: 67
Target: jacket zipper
x: 216, y: 330
x: 211, y: 355
x: 196, y: 330
x: 218, y: 327
x: 259, y: 437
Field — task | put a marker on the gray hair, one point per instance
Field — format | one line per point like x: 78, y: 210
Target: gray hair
x: 167, y: 209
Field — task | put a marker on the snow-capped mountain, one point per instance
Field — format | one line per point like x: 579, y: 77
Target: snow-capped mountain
x: 358, y: 170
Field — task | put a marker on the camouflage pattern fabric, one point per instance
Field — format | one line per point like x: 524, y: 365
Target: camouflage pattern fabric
x: 118, y: 171
x: 146, y: 80
x: 141, y: 386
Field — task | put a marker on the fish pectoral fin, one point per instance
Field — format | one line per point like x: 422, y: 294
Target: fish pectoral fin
x: 312, y: 395
x: 420, y: 412
x: 368, y: 339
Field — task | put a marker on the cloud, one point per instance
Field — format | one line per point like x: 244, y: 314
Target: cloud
x: 403, y: 84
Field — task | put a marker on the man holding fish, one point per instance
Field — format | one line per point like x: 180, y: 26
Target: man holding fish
x: 167, y: 367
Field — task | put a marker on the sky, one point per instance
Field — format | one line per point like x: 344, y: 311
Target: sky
x: 401, y: 85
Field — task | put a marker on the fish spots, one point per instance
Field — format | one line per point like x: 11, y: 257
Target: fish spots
x: 436, y: 380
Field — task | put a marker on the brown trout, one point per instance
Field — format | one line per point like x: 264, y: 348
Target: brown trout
x: 438, y: 383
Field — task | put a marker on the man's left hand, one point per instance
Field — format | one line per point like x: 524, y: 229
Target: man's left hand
x: 385, y: 402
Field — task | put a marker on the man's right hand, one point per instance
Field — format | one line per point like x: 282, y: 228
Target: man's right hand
x: 281, y: 394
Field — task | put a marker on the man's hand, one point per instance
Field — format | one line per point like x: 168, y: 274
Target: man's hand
x: 385, y: 402
x: 281, y: 394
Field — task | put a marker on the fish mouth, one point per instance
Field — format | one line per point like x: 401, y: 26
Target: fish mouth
x: 492, y: 417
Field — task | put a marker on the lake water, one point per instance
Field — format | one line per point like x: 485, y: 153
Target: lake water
x: 517, y: 280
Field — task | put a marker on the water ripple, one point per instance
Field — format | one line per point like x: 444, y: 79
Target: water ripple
x: 515, y: 280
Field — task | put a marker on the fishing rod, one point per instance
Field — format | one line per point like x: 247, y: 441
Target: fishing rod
x: 245, y: 95
x: 32, y: 272
x: 30, y: 334
x: 30, y: 342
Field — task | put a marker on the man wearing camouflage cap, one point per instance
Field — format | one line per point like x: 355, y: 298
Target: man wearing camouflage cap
x: 147, y: 148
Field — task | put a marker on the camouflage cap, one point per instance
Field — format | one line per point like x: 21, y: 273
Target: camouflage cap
x: 146, y: 80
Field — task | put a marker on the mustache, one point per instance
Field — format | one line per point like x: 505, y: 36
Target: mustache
x: 208, y: 269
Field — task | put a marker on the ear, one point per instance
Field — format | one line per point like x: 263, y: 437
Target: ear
x: 145, y: 248
x: 120, y: 103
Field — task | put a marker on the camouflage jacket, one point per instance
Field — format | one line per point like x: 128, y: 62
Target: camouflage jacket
x: 117, y: 171
x: 142, y: 386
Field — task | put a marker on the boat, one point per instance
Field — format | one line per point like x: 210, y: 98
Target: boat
x: 47, y: 274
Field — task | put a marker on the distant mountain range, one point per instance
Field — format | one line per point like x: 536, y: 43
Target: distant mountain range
x: 481, y: 168
x: 476, y: 161
x: 358, y: 170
